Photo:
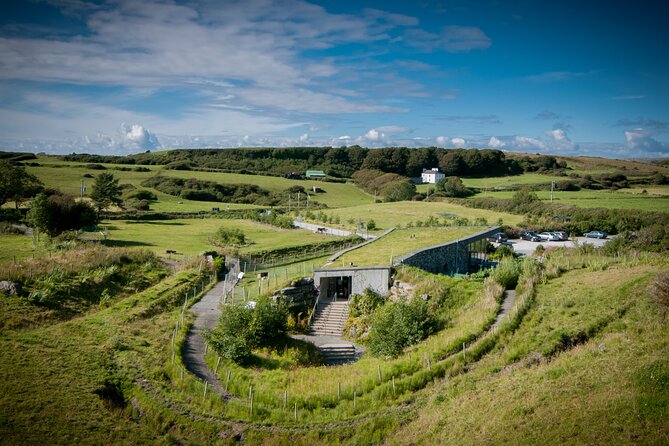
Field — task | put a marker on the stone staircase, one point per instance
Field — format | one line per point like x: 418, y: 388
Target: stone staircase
x: 329, y: 319
x: 335, y: 354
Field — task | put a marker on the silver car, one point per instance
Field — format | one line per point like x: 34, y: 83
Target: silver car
x: 549, y: 236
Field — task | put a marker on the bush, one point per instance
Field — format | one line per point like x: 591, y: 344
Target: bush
x: 242, y: 328
x: 506, y: 274
x: 364, y: 304
x: 660, y: 289
x: 399, y: 324
x: 225, y: 237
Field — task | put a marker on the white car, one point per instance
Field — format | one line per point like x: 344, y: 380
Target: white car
x: 549, y: 236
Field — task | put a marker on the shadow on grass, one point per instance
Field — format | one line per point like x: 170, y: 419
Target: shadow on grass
x: 124, y: 243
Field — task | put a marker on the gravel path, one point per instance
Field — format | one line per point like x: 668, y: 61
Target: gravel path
x: 207, y: 311
x: 507, y: 303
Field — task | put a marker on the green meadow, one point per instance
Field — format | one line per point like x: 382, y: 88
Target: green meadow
x: 401, y: 213
x: 654, y: 200
x: 191, y: 236
x: 68, y: 177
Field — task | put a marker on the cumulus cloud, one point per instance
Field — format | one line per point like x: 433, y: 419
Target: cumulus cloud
x: 495, y: 143
x: 374, y: 135
x: 641, y: 139
x: 140, y: 137
x: 441, y: 141
x: 459, y: 142
x: 304, y: 137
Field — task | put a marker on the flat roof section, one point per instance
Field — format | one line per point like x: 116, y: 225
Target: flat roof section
x: 400, y: 243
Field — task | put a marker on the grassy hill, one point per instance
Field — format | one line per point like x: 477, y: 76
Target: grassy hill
x: 586, y: 364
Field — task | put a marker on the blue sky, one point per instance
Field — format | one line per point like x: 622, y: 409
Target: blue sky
x: 116, y: 77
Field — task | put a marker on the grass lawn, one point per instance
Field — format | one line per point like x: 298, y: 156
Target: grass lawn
x: 399, y: 243
x: 388, y: 215
x: 621, y: 199
x: 609, y: 387
x: 190, y: 236
x: 15, y: 246
x: 68, y: 179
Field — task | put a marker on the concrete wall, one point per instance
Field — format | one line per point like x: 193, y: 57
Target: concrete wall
x: 449, y: 258
x: 375, y: 277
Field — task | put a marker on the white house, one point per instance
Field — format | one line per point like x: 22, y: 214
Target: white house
x: 432, y: 175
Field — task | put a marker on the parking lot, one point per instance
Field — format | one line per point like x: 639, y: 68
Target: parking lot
x: 526, y: 247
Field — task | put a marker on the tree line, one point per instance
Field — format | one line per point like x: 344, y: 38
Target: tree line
x: 339, y: 162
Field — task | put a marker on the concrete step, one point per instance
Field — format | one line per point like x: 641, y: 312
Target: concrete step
x: 337, y: 353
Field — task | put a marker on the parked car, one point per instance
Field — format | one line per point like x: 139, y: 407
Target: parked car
x: 529, y: 235
x: 549, y: 236
x: 563, y: 235
x: 595, y: 234
x: 499, y: 237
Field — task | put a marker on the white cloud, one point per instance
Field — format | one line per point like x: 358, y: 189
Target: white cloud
x: 140, y: 137
x: 459, y: 142
x: 442, y: 141
x: 374, y: 135
x: 495, y: 143
x: 304, y: 137
x: 641, y: 139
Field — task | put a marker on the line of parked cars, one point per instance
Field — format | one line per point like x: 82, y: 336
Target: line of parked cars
x: 556, y: 236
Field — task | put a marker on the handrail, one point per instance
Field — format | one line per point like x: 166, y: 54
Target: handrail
x: 311, y: 316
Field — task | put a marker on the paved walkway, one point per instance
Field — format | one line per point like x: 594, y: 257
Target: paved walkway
x: 207, y: 311
x: 507, y: 303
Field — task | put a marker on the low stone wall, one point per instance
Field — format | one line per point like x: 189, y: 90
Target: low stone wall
x: 299, y: 293
x: 448, y: 258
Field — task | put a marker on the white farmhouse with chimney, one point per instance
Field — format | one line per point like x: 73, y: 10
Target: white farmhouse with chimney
x: 432, y: 175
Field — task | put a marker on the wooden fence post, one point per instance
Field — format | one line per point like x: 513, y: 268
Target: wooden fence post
x: 393, y: 385
x: 227, y: 380
x: 378, y: 369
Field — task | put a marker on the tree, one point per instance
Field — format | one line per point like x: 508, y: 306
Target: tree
x: 453, y: 187
x: 106, y: 191
x: 57, y: 213
x: 16, y: 184
x: 225, y: 237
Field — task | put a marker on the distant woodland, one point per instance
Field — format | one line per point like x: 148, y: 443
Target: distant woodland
x: 340, y: 162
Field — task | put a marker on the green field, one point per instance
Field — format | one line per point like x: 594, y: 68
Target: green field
x: 191, y: 236
x: 609, y: 387
x: 15, y: 247
x: 620, y: 199
x: 400, y: 242
x: 401, y: 213
x: 68, y: 179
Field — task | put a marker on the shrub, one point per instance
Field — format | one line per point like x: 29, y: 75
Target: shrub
x: 506, y: 274
x: 399, y: 324
x: 228, y: 237
x: 660, y: 289
x: 242, y: 328
x: 364, y: 304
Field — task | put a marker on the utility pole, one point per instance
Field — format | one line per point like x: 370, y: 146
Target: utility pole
x: 288, y: 202
x: 298, y: 199
x: 552, y: 189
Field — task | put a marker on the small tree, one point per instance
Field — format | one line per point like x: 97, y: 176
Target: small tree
x: 226, y: 237
x: 106, y: 191
x: 57, y: 213
x: 399, y: 324
x: 453, y: 187
x: 16, y: 184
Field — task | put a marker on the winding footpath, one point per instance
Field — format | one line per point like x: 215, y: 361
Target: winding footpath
x: 207, y: 311
x: 505, y: 308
